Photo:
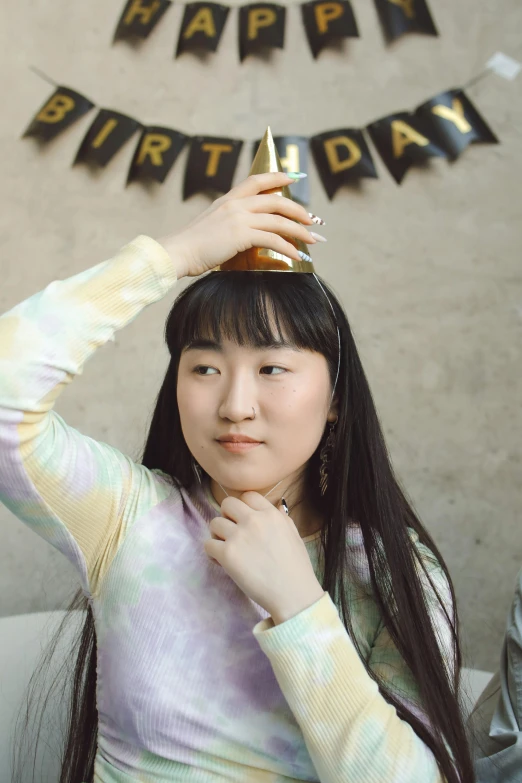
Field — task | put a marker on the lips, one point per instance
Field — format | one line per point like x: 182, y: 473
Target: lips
x: 237, y: 439
x: 239, y: 447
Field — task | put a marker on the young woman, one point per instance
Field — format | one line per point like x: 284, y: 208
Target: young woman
x: 225, y: 640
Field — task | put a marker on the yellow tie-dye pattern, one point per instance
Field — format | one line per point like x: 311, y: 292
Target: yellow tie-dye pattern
x: 97, y: 516
x: 368, y: 742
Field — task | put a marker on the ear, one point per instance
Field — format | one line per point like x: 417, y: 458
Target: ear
x: 334, y: 410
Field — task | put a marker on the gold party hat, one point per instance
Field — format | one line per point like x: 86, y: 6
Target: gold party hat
x: 263, y: 259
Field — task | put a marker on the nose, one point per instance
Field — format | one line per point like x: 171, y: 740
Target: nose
x: 238, y: 399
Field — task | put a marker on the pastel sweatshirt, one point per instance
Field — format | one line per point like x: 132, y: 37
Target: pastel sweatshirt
x: 195, y: 683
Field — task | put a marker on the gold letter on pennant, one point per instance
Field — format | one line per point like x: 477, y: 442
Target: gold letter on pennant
x: 56, y: 109
x: 455, y: 115
x: 104, y: 132
x: 257, y: 18
x: 215, y: 152
x: 325, y: 13
x: 153, y: 145
x: 291, y: 161
x: 335, y: 164
x: 146, y: 12
x: 403, y: 134
x: 203, y: 21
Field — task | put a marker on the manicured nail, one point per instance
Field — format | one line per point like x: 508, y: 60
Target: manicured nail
x: 303, y: 256
x: 317, y: 219
x: 297, y: 175
x: 318, y: 237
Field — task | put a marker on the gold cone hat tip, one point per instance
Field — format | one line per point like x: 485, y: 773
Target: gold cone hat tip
x: 264, y: 259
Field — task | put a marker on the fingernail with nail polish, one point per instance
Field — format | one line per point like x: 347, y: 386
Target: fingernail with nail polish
x: 297, y: 175
x: 317, y: 219
x: 304, y: 256
x: 318, y: 237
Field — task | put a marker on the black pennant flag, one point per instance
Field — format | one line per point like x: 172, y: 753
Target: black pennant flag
x: 454, y: 122
x: 326, y: 22
x: 261, y: 25
x: 202, y: 27
x: 107, y: 134
x: 211, y: 165
x: 293, y: 154
x: 156, y: 153
x: 342, y: 157
x: 402, y: 140
x: 139, y: 18
x: 61, y: 110
x: 405, y: 16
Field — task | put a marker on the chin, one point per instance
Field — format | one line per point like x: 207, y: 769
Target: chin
x: 244, y: 479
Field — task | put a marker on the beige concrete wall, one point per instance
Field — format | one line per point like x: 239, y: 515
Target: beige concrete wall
x: 429, y: 272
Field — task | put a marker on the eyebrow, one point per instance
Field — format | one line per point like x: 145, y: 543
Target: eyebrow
x: 201, y: 345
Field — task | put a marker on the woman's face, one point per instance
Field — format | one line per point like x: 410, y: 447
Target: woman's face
x: 219, y: 384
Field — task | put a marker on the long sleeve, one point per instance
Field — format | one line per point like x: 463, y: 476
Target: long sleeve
x: 78, y: 494
x: 351, y: 731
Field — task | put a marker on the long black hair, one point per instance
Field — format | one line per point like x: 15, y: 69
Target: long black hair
x: 243, y: 306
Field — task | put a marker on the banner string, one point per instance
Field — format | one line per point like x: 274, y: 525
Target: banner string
x: 43, y: 76
x: 255, y: 90
x: 477, y: 78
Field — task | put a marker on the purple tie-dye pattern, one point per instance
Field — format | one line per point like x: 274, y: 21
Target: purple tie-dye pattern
x: 194, y: 682
x: 177, y: 617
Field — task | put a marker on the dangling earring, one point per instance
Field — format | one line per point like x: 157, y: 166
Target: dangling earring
x: 326, y: 455
x: 197, y: 470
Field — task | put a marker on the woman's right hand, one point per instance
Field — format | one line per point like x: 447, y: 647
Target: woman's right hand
x: 244, y: 217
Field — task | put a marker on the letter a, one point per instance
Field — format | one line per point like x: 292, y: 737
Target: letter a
x: 203, y: 22
x: 402, y: 135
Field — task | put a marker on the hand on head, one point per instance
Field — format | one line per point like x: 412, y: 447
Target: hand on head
x: 244, y: 217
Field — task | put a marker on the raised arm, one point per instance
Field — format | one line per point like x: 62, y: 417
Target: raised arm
x: 70, y: 489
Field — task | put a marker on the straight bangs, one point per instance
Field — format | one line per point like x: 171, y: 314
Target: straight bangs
x: 254, y: 310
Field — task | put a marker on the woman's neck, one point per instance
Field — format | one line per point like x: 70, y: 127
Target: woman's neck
x: 303, y: 516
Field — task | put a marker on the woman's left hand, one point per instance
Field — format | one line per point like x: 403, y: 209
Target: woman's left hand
x: 260, y: 548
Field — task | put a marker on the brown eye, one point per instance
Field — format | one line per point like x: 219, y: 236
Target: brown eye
x: 273, y: 367
x: 202, y: 367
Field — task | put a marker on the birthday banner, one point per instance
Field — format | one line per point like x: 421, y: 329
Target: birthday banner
x: 262, y: 25
x: 441, y: 127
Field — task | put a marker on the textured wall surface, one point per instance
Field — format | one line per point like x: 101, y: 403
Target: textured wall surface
x: 429, y: 272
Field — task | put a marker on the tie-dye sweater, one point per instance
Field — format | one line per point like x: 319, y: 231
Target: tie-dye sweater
x: 195, y: 683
